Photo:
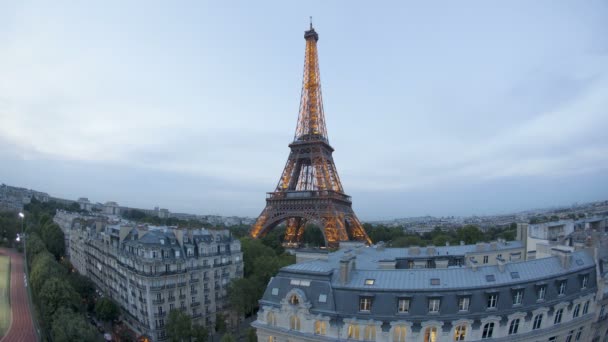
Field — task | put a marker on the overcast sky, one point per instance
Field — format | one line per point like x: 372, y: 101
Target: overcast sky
x: 441, y: 108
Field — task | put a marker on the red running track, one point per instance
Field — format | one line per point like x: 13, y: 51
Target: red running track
x: 22, y: 326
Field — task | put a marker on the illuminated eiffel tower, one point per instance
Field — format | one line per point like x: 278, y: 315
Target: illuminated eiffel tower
x: 310, y: 190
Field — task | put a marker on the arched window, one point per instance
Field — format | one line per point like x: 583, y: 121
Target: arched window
x: 514, y: 326
x: 353, y: 331
x: 460, y: 333
x: 294, y: 322
x: 558, y: 316
x: 320, y: 327
x: 399, y: 333
x: 538, y: 320
x: 488, y: 330
x: 430, y: 334
x: 370, y: 332
x: 271, y: 319
x: 293, y: 300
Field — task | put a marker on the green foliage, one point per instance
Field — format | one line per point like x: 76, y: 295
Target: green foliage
x: 313, y: 236
x: 44, y: 268
x: 251, y: 335
x: 54, y: 239
x: 84, y: 287
x: 199, y: 333
x: 68, y: 326
x: 10, y: 226
x: 34, y: 246
x: 179, y: 326
x: 56, y: 293
x: 227, y: 338
x: 106, y: 309
x: 220, y: 323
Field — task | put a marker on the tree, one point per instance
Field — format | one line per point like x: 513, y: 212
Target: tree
x: 34, y: 246
x: 251, y: 335
x: 68, y: 326
x: 199, y: 333
x: 313, y: 236
x: 227, y: 338
x: 56, y: 293
x: 54, y: 239
x: 44, y: 268
x: 220, y: 323
x: 243, y: 295
x: 469, y: 234
x: 179, y: 326
x: 85, y: 288
x: 106, y: 309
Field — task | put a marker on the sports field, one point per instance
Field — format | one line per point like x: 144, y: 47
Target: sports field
x: 5, y: 307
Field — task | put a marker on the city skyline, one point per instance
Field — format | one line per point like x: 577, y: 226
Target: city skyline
x: 428, y: 114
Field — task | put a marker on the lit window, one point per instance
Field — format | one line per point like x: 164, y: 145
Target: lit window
x: 434, y: 305
x: 320, y: 327
x: 294, y: 323
x: 488, y: 330
x: 370, y: 332
x: 586, y: 308
x: 514, y: 326
x: 576, y: 311
x: 272, y: 339
x: 293, y: 300
x: 517, y: 297
x: 370, y: 281
x: 365, y: 304
x: 463, y: 303
x: 584, y: 282
x: 562, y: 288
x: 271, y: 319
x: 430, y: 334
x: 542, y: 290
x: 399, y: 333
x: 538, y: 320
x: 558, y: 316
x: 460, y: 333
x: 353, y: 331
x: 404, y: 306
x: 492, y: 299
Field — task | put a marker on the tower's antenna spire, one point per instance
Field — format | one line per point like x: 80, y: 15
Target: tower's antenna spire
x: 310, y: 22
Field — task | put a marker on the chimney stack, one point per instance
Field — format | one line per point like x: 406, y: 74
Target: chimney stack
x: 501, y: 264
x: 347, y: 264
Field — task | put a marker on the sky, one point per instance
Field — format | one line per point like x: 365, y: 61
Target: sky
x: 433, y: 108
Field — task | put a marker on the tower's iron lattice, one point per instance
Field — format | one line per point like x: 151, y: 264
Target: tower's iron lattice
x: 309, y: 190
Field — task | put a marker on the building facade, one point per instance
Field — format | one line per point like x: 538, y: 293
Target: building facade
x: 150, y: 271
x: 381, y: 294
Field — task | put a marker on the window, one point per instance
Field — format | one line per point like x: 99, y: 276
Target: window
x: 576, y: 311
x: 517, y: 297
x: 490, y: 278
x: 515, y: 275
x: 399, y: 333
x: 485, y: 259
x: 578, y: 334
x: 584, y: 282
x: 558, y: 316
x: 275, y: 290
x: 365, y: 304
x: 435, y: 281
x: 320, y: 327
x: 514, y: 326
x: 552, y: 339
x: 272, y: 339
x: 403, y: 306
x: 488, y: 330
x: 370, y: 281
x: 430, y: 334
x: 541, y: 293
x: 586, y: 308
x: 293, y: 300
x: 492, y: 299
x: 434, y: 304
x: 569, y: 336
x: 322, y: 298
x: 463, y: 303
x: 271, y: 319
x: 538, y: 320
x: 370, y: 332
x: 562, y: 288
x: 353, y: 331
x: 294, y: 323
x: 460, y: 333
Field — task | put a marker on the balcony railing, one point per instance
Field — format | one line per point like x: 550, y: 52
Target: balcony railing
x: 158, y: 301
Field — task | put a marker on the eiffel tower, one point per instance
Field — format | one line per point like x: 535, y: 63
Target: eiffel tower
x: 310, y: 190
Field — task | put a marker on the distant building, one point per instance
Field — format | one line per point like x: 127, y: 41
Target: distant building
x: 85, y: 204
x: 111, y: 208
x: 150, y: 271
